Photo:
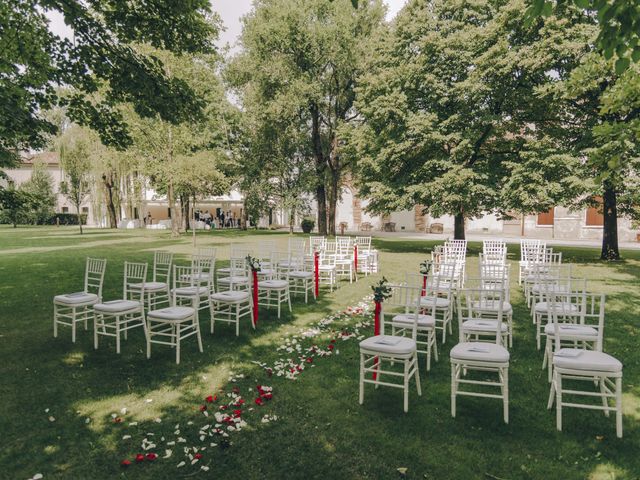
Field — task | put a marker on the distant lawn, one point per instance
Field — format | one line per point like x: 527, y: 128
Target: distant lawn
x: 321, y: 431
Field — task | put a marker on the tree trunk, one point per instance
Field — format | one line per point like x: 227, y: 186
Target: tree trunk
x: 321, y: 193
x: 111, y: 208
x: 610, y: 228
x: 332, y: 202
x: 80, y: 218
x: 184, y: 204
x: 172, y: 210
x: 458, y: 226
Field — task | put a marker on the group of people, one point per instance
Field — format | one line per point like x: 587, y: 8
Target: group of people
x: 221, y: 220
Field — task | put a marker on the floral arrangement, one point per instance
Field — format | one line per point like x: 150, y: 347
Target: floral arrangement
x: 381, y: 291
x: 254, y: 263
x: 425, y: 267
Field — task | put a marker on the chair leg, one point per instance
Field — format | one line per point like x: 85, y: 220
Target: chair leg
x: 117, y: 334
x: 454, y: 387
x: 237, y: 319
x: 73, y: 325
x: 95, y: 331
x: 55, y: 320
x: 619, y: 407
x: 505, y: 394
x: 197, y: 327
x: 361, y: 385
x: 558, y: 381
x: 406, y: 386
x: 178, y: 344
x: 150, y: 334
x: 417, y: 375
x: 603, y: 392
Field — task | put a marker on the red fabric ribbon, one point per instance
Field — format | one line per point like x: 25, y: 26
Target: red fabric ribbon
x: 255, y: 298
x: 355, y: 256
x: 424, y: 285
x: 376, y: 331
x: 316, y: 261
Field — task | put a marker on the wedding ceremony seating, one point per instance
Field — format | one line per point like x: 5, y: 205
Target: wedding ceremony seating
x: 383, y: 349
x: 157, y: 290
x: 77, y: 307
x: 116, y: 317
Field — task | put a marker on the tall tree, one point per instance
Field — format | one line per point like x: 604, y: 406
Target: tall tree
x: 303, y: 58
x: 35, y: 61
x: 75, y: 151
x: 40, y: 187
x: 450, y: 108
x: 598, y: 122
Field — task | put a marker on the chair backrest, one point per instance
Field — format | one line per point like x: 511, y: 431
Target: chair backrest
x: 206, y: 251
x: 364, y: 243
x: 134, y: 273
x: 316, y: 244
x: 94, y: 275
x: 297, y: 244
x: 531, y: 250
x: 187, y: 275
x: 328, y: 255
x: 493, y: 251
x: 593, y: 315
x: 238, y: 267
x: 495, y: 274
x: 403, y: 299
x: 162, y: 261
x: 580, y: 308
x: 205, y: 264
x: 447, y: 273
x: 239, y: 250
x: 478, y: 303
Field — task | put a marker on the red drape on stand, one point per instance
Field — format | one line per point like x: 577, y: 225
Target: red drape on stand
x: 376, y: 330
x: 255, y: 298
x: 315, y: 272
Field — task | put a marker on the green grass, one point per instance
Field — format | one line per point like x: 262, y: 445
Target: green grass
x: 322, y: 432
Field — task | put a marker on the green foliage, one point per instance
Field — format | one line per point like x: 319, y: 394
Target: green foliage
x: 40, y: 187
x: 15, y: 206
x: 75, y: 151
x: 450, y: 108
x: 618, y: 20
x: 381, y: 290
x: 35, y: 61
x: 307, y: 225
x: 300, y: 65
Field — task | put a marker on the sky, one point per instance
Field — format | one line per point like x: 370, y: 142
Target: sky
x: 230, y: 11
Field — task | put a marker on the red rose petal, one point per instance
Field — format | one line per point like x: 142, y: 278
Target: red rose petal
x: 259, y: 401
x: 203, y: 408
x: 209, y: 399
x: 125, y: 463
x: 140, y: 457
x: 198, y: 456
x: 151, y: 456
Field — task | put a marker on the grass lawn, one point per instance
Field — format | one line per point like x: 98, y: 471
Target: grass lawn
x: 321, y: 431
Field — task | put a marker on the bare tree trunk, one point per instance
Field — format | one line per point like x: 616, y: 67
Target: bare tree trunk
x: 610, y: 249
x: 172, y: 210
x: 79, y: 216
x: 458, y: 226
x: 333, y: 202
x: 111, y: 208
x: 321, y: 194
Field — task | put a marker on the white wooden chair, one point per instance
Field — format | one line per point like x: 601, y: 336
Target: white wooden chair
x: 157, y: 290
x: 470, y: 356
x: 383, y: 349
x: 204, y: 267
x: 239, y: 276
x: 170, y: 326
x: 484, y: 309
x: 73, y: 308
x: 327, y: 265
x: 236, y: 252
x: 581, y: 317
x: 191, y: 287
x: 494, y: 251
x: 495, y: 276
x: 366, y: 257
x: 531, y: 252
x: 402, y: 322
x: 301, y: 279
x: 117, y: 317
x: 588, y: 366
x: 344, y: 259
x: 275, y: 290
x: 443, y: 276
x: 231, y: 306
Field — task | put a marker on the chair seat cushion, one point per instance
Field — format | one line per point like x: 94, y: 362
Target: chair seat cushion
x: 149, y: 286
x: 234, y: 279
x: 560, y: 307
x: 491, y: 306
x: 265, y: 272
x: 300, y: 274
x: 172, y: 313
x: 190, y: 291
x: 577, y: 359
x: 225, y: 270
x: 196, y: 277
x: 230, y: 296
x: 480, y: 351
x: 427, y: 301
x: 424, y: 321
x: 482, y: 325
x: 388, y: 344
x: 572, y: 330
x: 78, y: 298
x: 326, y: 267
x: 537, y: 288
x: 115, y: 306
x: 273, y: 284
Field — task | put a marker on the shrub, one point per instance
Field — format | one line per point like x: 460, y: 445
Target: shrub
x: 307, y: 225
x: 67, y: 219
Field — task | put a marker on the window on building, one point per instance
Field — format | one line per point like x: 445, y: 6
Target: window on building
x: 595, y: 218
x: 85, y: 209
x: 545, y: 219
x: 65, y: 209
